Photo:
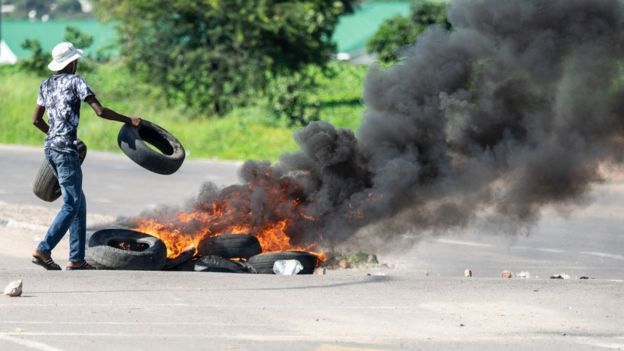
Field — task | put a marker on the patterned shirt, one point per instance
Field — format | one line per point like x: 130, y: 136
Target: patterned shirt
x: 61, y: 95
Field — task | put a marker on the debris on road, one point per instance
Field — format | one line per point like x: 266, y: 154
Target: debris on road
x: 357, y: 259
x: 523, y: 275
x: 320, y: 271
x: 468, y: 273
x: 287, y: 267
x: 560, y: 276
x: 14, y: 289
x: 506, y: 274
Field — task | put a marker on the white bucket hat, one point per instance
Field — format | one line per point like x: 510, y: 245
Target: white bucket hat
x: 62, y: 55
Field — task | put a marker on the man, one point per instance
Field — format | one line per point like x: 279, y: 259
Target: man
x: 60, y: 95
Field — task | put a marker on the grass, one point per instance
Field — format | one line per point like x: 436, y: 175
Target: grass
x: 245, y: 133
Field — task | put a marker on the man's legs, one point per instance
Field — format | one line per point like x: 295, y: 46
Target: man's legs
x: 67, y: 169
x: 78, y: 233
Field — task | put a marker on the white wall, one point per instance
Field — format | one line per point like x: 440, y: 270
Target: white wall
x: 6, y: 55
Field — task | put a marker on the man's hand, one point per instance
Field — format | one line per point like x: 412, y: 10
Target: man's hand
x: 38, y: 119
x: 107, y: 113
x: 135, y: 122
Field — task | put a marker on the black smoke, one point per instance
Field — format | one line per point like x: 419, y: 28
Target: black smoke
x: 513, y: 110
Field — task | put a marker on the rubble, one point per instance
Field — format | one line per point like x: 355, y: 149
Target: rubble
x: 506, y: 274
x: 560, y: 276
x: 320, y: 271
x: 356, y: 259
x: 287, y: 267
x: 14, y: 289
x: 468, y: 273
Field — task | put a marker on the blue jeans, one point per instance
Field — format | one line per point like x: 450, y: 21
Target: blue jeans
x: 73, y: 214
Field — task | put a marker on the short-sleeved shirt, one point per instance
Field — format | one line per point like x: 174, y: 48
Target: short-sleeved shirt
x: 61, y: 95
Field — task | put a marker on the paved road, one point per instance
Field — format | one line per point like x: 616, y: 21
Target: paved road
x: 420, y: 302
x: 342, y: 311
x: 113, y: 184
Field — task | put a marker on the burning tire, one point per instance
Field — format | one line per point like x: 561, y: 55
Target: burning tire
x: 126, y: 250
x: 230, y: 246
x: 219, y: 265
x: 46, y: 185
x: 183, y: 258
x: 133, y: 142
x: 263, y: 263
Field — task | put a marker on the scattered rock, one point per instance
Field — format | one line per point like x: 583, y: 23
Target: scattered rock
x: 506, y: 274
x: 523, y: 275
x: 14, y: 289
x: 583, y: 277
x: 343, y: 264
x: 560, y: 276
x: 468, y: 273
x: 320, y: 271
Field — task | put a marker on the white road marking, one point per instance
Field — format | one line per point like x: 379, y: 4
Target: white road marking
x: 600, y: 343
x: 216, y: 324
x: 36, y: 345
x: 195, y: 306
x: 235, y: 336
x: 603, y: 254
x: 543, y: 249
x: 102, y: 200
x: 9, y: 223
x: 465, y: 243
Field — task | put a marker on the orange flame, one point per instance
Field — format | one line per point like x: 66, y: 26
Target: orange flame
x: 275, y: 223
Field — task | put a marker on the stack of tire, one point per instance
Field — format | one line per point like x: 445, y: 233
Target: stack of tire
x: 131, y: 250
x: 225, y: 253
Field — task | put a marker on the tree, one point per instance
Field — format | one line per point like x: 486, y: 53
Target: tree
x: 39, y: 59
x: 398, y: 32
x: 216, y: 54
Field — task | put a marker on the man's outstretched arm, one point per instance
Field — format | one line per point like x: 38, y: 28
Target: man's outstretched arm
x: 107, y: 113
x: 38, y: 119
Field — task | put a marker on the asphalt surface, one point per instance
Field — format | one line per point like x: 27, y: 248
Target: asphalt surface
x: 418, y: 301
x: 113, y: 184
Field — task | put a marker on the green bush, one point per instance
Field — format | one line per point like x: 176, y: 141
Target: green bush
x: 294, y: 98
x: 391, y: 36
x: 244, y: 133
x: 217, y: 55
x: 38, y: 61
x: 398, y: 32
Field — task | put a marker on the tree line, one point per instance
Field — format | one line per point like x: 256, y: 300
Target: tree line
x: 214, y: 55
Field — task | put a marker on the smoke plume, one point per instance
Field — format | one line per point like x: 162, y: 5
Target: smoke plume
x: 513, y: 110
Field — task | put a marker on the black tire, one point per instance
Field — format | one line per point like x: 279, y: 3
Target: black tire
x: 230, y: 246
x: 219, y: 265
x: 263, y: 263
x: 133, y: 142
x: 102, y: 250
x: 46, y: 185
x: 184, y: 257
